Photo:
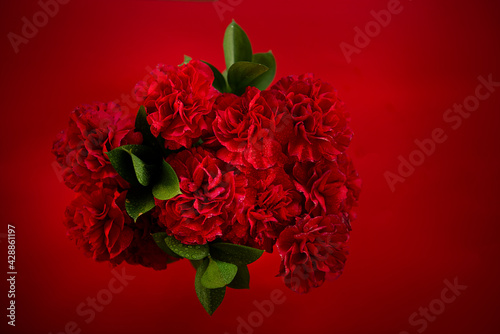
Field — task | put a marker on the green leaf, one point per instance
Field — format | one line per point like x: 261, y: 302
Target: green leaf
x: 196, y: 263
x: 167, y: 185
x: 145, y: 161
x: 190, y: 252
x: 141, y: 161
x: 122, y: 163
x: 237, y: 46
x: 209, y: 298
x: 242, y: 279
x: 141, y: 123
x: 265, y: 79
x: 187, y: 59
x: 144, y: 173
x: 219, y: 81
x: 159, y: 238
x: 237, y: 254
x: 218, y: 274
x: 242, y: 73
x: 139, y: 201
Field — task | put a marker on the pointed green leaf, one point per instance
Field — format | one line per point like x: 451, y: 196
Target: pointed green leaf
x: 242, y: 279
x: 122, y: 163
x: 237, y: 254
x: 237, y: 46
x: 145, y: 161
x: 143, y: 172
x: 159, y: 238
x: 139, y: 201
x: 265, y: 79
x: 218, y: 274
x: 190, y: 252
x: 196, y: 263
x: 219, y: 81
x: 187, y: 59
x: 209, y: 298
x: 167, y: 186
x: 141, y: 123
x: 242, y: 73
x: 138, y: 159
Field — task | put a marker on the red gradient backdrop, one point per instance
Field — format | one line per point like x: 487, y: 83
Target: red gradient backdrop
x: 441, y: 223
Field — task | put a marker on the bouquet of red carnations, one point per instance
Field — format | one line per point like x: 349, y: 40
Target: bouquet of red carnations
x: 215, y: 168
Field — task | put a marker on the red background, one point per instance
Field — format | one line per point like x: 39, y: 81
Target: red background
x: 441, y: 223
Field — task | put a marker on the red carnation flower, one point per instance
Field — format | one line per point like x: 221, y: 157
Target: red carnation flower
x: 178, y: 101
x: 210, y: 190
x: 320, y: 121
x: 271, y: 203
x: 80, y: 149
x: 311, y: 251
x: 252, y: 128
x: 323, y: 185
x: 98, y: 224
